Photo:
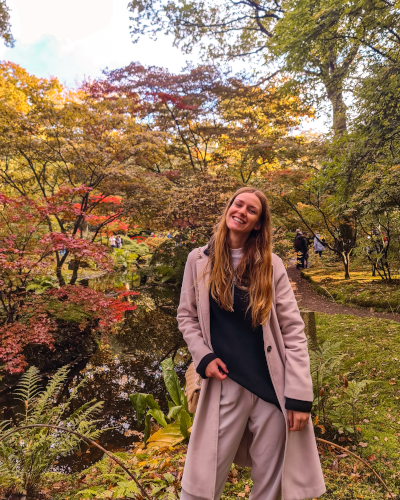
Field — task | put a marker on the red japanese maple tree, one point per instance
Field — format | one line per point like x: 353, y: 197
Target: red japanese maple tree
x: 27, y: 249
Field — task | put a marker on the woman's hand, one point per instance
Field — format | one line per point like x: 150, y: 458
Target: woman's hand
x: 212, y: 369
x: 297, y: 420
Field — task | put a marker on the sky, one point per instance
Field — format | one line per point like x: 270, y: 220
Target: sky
x: 77, y: 39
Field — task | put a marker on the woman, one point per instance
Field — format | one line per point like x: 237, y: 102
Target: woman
x: 240, y: 320
x: 318, y: 245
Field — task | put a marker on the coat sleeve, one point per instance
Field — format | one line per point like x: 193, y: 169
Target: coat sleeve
x: 188, y: 318
x: 298, y: 383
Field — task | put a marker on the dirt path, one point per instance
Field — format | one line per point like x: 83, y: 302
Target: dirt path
x: 314, y: 302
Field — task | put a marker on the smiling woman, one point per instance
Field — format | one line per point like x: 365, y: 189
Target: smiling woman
x: 240, y: 319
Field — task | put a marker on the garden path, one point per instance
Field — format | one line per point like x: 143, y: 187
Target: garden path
x: 314, y: 302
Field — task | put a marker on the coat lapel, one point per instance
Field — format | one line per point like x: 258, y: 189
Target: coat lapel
x: 204, y: 299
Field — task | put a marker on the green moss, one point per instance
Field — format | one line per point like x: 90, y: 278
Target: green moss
x: 361, y: 291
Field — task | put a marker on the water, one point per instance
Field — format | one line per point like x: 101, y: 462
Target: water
x: 125, y: 363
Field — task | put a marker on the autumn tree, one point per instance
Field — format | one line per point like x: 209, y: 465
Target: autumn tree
x: 35, y: 310
x: 51, y: 138
x: 211, y: 118
x: 260, y: 121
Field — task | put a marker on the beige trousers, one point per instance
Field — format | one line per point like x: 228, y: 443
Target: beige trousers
x: 239, y: 407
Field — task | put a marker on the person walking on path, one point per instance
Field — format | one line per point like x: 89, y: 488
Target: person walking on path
x: 318, y: 245
x: 118, y: 241
x: 301, y: 247
x: 112, y: 241
x: 240, y: 319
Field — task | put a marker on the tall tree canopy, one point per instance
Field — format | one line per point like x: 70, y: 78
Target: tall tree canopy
x: 320, y: 42
x: 209, y: 118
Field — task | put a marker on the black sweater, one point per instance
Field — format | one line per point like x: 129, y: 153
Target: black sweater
x: 241, y: 348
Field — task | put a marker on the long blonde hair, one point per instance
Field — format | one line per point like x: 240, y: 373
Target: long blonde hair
x: 254, y: 272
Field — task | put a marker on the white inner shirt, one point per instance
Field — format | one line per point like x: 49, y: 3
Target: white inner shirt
x: 236, y: 254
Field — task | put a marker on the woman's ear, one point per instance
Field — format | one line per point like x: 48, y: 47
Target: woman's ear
x: 257, y: 226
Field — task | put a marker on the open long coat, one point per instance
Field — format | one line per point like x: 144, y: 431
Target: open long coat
x: 289, y: 366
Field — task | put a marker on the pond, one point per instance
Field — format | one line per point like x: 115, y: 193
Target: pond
x: 126, y: 362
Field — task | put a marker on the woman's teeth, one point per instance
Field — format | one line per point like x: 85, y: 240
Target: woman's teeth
x: 238, y: 220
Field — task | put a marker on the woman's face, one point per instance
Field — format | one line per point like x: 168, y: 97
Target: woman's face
x: 244, y: 214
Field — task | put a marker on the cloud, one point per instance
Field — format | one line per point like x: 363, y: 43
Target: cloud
x: 49, y: 56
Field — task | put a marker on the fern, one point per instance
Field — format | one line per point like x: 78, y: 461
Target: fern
x: 42, y: 284
x: 29, y: 454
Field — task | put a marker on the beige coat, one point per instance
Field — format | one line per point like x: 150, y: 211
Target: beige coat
x: 289, y: 366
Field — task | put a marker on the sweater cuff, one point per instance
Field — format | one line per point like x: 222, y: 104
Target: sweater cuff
x: 201, y: 369
x: 296, y: 404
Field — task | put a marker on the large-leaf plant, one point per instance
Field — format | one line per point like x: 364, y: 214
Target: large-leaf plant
x: 175, y: 426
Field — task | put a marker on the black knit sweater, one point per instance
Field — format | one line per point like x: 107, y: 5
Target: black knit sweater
x: 241, y: 348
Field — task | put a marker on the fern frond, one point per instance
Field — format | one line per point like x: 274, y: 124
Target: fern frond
x: 88, y: 409
x: 28, y: 388
x: 45, y: 400
x: 124, y: 488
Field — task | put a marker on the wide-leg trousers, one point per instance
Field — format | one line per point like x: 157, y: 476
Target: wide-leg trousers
x: 238, y: 408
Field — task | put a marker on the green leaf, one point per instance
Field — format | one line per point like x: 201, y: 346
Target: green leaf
x: 168, y: 436
x: 172, y: 382
x: 184, y: 423
x: 146, y: 429
x: 157, y: 489
x: 139, y: 401
x: 169, y: 478
x: 151, y: 403
x: 159, y: 416
x: 168, y: 275
x: 174, y: 412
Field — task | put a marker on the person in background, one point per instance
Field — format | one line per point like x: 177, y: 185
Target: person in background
x: 169, y: 235
x: 318, y: 246
x: 118, y: 241
x: 112, y: 241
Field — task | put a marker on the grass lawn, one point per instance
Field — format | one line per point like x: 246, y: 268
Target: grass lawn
x: 372, y: 352
x: 361, y: 290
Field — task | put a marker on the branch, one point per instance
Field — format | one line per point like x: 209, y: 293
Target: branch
x: 358, y: 458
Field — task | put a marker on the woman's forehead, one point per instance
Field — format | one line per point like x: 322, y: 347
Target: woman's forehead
x: 249, y: 198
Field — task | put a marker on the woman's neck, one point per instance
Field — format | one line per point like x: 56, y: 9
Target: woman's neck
x: 236, y: 240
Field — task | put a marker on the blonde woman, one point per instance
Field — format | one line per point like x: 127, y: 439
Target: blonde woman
x: 240, y: 320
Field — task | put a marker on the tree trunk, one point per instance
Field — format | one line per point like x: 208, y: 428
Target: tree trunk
x: 84, y: 228
x: 346, y: 263
x: 335, y: 95
x: 60, y: 277
x: 74, y: 272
